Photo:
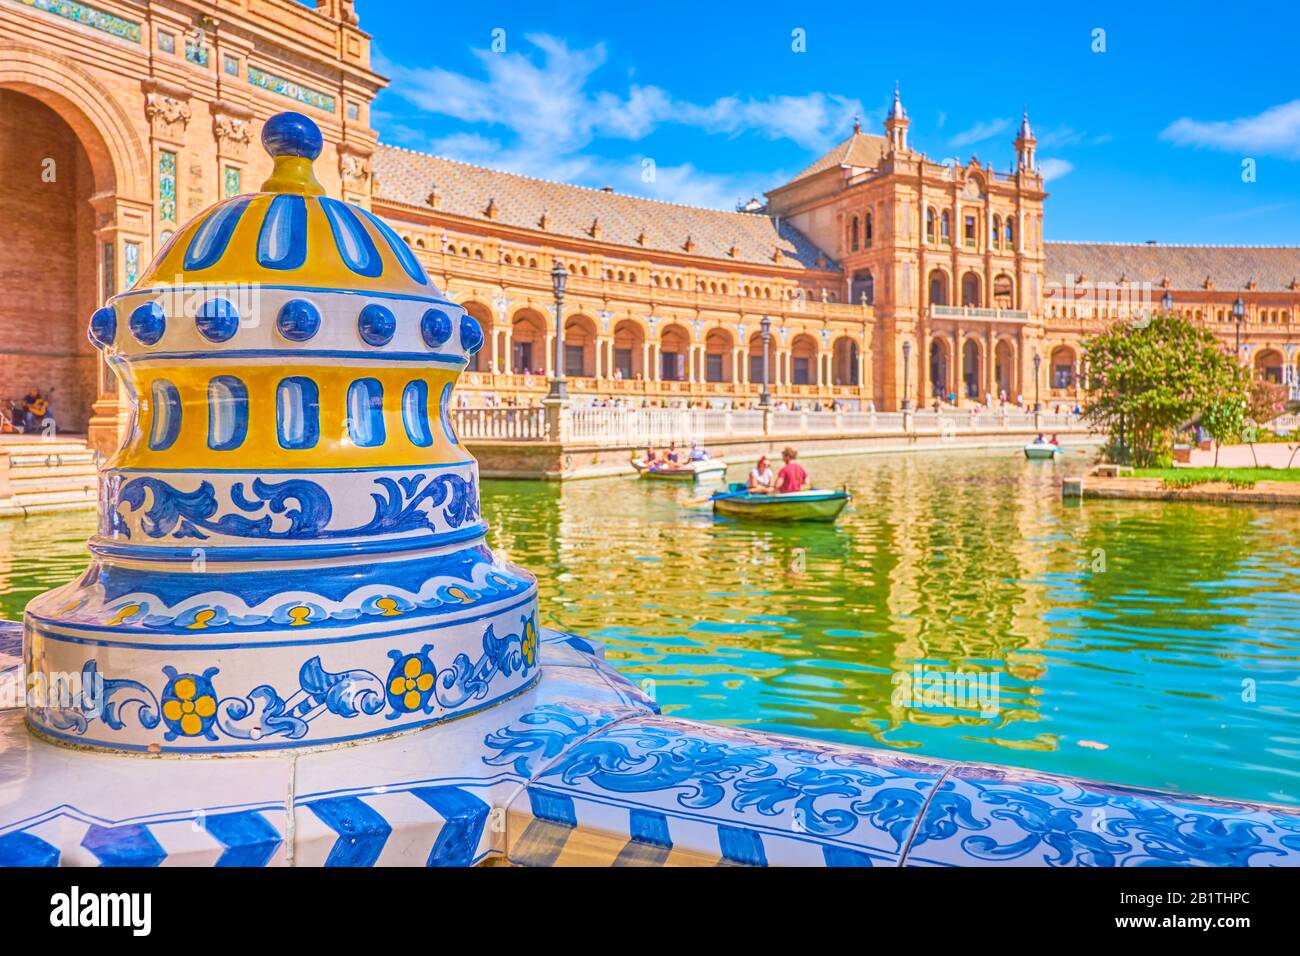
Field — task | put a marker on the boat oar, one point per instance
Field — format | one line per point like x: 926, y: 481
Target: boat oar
x: 716, y: 497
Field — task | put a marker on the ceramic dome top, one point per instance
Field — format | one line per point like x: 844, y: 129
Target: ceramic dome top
x: 290, y: 548
x: 290, y: 233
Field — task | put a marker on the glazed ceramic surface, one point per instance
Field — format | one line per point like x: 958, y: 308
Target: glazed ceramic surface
x: 290, y: 550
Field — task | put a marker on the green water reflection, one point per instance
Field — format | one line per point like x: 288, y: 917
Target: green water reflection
x: 1135, y: 642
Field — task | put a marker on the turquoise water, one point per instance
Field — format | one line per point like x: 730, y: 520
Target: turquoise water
x: 1135, y: 642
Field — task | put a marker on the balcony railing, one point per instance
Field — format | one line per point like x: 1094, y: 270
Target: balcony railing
x: 637, y: 427
x: 969, y: 312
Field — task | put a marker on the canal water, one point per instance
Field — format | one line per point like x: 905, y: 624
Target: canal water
x: 959, y: 609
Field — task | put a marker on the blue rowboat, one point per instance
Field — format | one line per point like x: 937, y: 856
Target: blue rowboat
x: 811, y: 505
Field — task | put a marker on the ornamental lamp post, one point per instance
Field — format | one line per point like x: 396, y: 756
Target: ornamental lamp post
x: 1038, y: 362
x: 764, y: 397
x: 559, y: 388
x: 1238, y: 313
x: 907, y: 368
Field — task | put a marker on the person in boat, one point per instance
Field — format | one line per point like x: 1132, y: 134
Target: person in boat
x: 1055, y: 441
x: 762, y: 480
x: 672, y: 457
x: 1040, y: 440
x: 792, y: 477
x: 650, y: 456
x: 698, y: 454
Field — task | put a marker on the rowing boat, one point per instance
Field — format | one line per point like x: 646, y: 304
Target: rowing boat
x: 686, y: 471
x: 811, y: 505
x: 1042, y: 451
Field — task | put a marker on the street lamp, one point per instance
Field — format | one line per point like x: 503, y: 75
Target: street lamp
x: 1038, y: 362
x: 559, y: 388
x: 1238, y: 313
x: 1167, y: 302
x: 764, y: 398
x: 907, y: 368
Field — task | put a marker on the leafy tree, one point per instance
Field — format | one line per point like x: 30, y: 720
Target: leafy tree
x: 1145, y: 381
x: 1224, y: 418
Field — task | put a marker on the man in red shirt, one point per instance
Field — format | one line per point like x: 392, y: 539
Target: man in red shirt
x: 792, y: 476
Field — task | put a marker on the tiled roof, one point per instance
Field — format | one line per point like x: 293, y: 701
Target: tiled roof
x: 860, y: 150
x: 1230, y: 268
x: 463, y: 189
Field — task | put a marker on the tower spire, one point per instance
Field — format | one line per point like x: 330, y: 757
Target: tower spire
x: 1025, y: 143
x: 896, y: 124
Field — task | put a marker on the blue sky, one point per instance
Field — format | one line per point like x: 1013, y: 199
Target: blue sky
x: 1144, y: 140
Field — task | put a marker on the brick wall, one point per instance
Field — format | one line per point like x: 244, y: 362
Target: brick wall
x: 46, y: 251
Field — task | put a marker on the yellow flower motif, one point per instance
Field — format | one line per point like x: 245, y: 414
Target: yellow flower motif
x: 528, y: 646
x: 187, y: 710
x: 411, y: 683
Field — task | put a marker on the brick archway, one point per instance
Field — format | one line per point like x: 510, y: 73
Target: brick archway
x: 71, y: 164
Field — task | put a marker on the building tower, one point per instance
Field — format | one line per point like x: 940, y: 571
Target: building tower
x: 290, y: 551
x: 1025, y: 144
x: 896, y: 124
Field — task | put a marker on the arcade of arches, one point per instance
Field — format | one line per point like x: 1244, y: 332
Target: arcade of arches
x: 665, y: 303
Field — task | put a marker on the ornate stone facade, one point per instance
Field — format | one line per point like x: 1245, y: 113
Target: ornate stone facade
x: 885, y: 276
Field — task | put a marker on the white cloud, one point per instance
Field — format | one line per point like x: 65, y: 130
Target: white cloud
x: 547, y: 103
x: 985, y: 129
x: 1276, y: 131
x: 1054, y: 168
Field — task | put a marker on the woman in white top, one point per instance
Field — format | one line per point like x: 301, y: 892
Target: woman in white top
x: 762, y: 479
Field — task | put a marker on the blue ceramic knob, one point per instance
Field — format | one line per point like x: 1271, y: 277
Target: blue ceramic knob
x: 292, y: 134
x: 435, y: 326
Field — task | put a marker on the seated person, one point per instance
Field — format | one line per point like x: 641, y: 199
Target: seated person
x: 1055, y: 441
x: 698, y: 453
x: 649, y: 454
x: 34, y: 409
x: 761, y: 480
x: 1039, y: 440
x: 792, y: 476
x: 672, y: 456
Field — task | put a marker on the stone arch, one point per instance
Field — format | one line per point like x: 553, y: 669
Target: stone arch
x: 629, y: 349
x: 1004, y: 369
x: 1004, y: 291
x: 1061, y: 367
x: 719, y: 355
x: 846, y: 362
x: 485, y: 359
x: 529, y: 335
x: 117, y: 155
x: 971, y: 290
x: 674, y: 353
x: 1269, y: 364
x: 940, y: 368
x: 972, y: 368
x: 938, y: 287
x: 580, y: 346
x: 804, y: 357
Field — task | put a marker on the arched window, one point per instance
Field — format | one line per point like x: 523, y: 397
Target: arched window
x: 166, y: 415
x: 227, y: 413
x: 297, y: 412
x: 853, y: 234
x: 863, y: 289
x: 945, y: 227
x: 1011, y: 232
x: 415, y: 413
x: 997, y: 232
x: 970, y: 290
x: 929, y: 224
x: 867, y: 229
x: 366, y: 412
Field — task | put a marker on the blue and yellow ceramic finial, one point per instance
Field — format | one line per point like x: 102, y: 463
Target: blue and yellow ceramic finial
x: 290, y: 549
x: 294, y: 141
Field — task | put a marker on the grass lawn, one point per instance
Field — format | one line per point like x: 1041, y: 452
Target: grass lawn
x: 1242, y: 477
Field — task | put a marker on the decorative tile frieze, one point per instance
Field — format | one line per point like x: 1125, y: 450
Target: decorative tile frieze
x: 89, y: 16
x: 290, y: 89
